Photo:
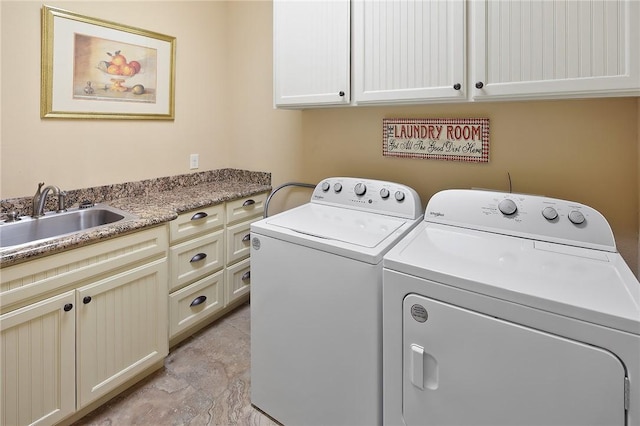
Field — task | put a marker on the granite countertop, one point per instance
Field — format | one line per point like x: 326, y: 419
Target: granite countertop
x: 153, y: 204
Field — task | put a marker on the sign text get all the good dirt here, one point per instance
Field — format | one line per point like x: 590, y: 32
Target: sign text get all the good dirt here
x: 456, y: 139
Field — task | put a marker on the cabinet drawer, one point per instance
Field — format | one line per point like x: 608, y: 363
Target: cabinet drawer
x: 238, y: 280
x: 196, y: 258
x: 194, y: 303
x: 196, y: 222
x: 238, y: 241
x: 246, y: 208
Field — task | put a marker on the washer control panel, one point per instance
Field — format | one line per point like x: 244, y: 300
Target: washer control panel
x: 529, y: 216
x: 376, y: 196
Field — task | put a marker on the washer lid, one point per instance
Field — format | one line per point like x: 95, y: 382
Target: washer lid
x: 362, y: 229
x: 595, y: 286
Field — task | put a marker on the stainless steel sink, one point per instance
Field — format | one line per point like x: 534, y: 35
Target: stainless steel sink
x: 54, y: 225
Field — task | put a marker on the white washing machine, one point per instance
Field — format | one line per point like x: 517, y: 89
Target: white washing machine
x: 316, y: 302
x: 505, y: 309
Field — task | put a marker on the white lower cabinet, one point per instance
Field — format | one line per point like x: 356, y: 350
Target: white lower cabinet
x: 118, y: 328
x: 105, y: 323
x: 38, y: 362
x: 209, y: 265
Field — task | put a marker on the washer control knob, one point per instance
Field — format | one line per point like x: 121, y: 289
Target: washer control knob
x: 360, y: 189
x: 384, y: 193
x: 576, y: 217
x: 507, y: 207
x: 325, y: 186
x: 337, y: 187
x: 549, y: 213
x: 399, y: 196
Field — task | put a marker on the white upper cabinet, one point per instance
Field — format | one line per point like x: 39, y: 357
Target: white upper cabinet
x: 408, y: 50
x: 311, y: 42
x: 555, y: 49
x: 423, y: 51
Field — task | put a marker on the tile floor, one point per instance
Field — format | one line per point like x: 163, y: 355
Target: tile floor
x: 205, y: 381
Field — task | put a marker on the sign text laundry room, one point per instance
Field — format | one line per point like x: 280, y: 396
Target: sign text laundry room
x: 456, y: 139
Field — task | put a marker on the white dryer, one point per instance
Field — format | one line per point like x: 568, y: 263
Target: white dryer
x: 316, y: 302
x: 505, y: 309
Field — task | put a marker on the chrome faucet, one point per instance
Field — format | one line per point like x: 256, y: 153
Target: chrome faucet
x: 41, y: 197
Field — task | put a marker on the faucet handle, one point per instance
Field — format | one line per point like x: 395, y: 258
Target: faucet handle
x: 40, y: 185
x: 61, y: 202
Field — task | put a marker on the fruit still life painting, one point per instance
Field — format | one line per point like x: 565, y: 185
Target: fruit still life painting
x: 112, y: 70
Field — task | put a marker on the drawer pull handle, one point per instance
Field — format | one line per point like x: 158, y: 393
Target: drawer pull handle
x: 246, y: 238
x: 198, y: 257
x: 68, y: 307
x: 86, y: 300
x: 199, y: 215
x: 198, y: 301
x: 248, y: 203
x: 246, y: 276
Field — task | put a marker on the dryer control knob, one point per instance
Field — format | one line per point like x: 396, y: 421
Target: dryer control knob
x: 549, y: 213
x: 360, y: 189
x: 576, y: 217
x: 337, y: 187
x: 325, y: 186
x: 384, y: 193
x: 507, y: 207
x: 399, y: 196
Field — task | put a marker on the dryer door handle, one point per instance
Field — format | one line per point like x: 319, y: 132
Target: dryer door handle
x: 417, y: 366
x: 424, y: 368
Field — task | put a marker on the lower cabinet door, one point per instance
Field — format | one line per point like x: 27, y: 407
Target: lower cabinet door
x: 238, y: 280
x: 195, y: 302
x: 38, y: 362
x: 121, y: 328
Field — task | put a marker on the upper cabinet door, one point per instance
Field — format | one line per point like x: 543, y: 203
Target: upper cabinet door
x: 564, y: 48
x: 311, y: 42
x: 409, y: 50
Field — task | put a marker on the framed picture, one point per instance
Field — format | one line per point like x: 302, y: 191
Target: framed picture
x: 98, y: 69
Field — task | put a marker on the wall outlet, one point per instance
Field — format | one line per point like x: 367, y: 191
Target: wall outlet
x: 193, y: 161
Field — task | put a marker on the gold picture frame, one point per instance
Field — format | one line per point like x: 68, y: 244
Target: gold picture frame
x: 97, y: 69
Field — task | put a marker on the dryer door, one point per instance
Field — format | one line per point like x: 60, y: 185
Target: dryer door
x: 465, y: 368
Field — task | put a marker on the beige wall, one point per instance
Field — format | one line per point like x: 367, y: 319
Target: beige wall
x: 587, y: 150
x: 581, y: 150
x: 81, y: 153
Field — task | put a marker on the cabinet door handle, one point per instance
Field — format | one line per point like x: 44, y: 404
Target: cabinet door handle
x: 246, y: 276
x: 68, y: 307
x: 479, y: 85
x: 199, y: 215
x: 248, y: 203
x: 457, y: 86
x: 246, y: 238
x: 198, y: 257
x: 198, y: 301
x: 341, y: 93
x: 86, y: 300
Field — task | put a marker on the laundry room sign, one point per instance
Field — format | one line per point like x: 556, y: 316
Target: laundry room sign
x: 454, y: 139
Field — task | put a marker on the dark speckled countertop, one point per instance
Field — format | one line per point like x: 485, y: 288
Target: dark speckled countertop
x: 154, y: 202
